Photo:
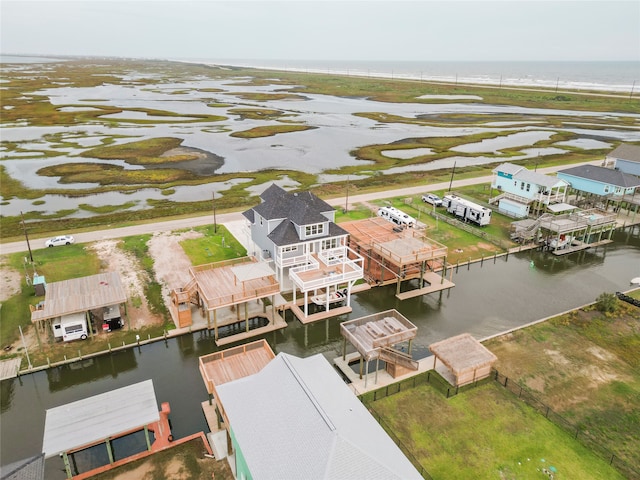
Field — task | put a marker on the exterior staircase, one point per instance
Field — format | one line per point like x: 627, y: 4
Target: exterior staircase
x: 396, y: 357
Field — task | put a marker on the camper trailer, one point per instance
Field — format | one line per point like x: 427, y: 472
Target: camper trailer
x: 466, y: 210
x: 396, y: 216
x: 70, y: 327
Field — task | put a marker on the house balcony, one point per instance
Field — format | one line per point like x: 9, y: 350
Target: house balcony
x: 329, y: 267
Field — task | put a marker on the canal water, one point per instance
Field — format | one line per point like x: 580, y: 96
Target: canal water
x: 489, y: 298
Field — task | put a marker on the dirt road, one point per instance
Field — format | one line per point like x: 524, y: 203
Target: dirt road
x: 186, y: 223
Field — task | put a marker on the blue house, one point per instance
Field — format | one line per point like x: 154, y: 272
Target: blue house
x: 521, y: 189
x: 625, y: 158
x: 602, y: 181
x: 297, y: 419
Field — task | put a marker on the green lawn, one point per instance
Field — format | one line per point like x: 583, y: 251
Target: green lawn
x: 214, y: 246
x: 586, y: 366
x: 485, y: 433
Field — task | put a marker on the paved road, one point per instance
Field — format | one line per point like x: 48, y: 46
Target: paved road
x: 185, y: 223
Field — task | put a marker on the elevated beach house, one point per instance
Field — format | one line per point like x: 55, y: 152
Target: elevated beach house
x: 625, y: 158
x: 522, y: 191
x: 296, y: 418
x: 589, y: 180
x: 297, y: 231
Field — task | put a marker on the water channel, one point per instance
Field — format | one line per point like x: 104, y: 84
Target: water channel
x: 489, y: 298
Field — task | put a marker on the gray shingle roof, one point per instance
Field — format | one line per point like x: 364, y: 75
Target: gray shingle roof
x: 297, y: 419
x: 626, y: 152
x: 286, y: 234
x: 603, y: 175
x: 302, y: 208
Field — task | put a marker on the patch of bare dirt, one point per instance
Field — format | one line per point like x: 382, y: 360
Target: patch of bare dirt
x: 9, y: 282
x: 170, y: 263
x: 133, y: 278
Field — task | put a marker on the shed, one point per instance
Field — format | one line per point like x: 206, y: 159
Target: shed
x: 512, y: 208
x: 39, y: 285
x: 465, y: 358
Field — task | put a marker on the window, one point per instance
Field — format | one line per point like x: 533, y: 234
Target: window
x: 521, y: 185
x: 528, y: 187
x: 290, y: 248
x: 331, y: 243
x: 314, y: 230
x: 606, y: 189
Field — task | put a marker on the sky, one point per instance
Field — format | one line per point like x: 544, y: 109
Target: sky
x: 418, y: 30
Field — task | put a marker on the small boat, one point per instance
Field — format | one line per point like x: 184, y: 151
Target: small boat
x: 635, y: 281
x: 336, y: 296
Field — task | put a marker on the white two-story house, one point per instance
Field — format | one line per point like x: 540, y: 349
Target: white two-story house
x: 520, y: 189
x: 297, y: 231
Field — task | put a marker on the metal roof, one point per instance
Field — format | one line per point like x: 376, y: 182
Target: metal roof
x: 523, y: 174
x: 92, y: 420
x: 315, y: 426
x: 80, y: 295
x: 561, y: 207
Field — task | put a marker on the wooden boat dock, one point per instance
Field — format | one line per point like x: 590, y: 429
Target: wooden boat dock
x: 436, y: 283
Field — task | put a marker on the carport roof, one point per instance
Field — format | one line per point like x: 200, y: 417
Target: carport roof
x: 94, y: 419
x: 80, y: 295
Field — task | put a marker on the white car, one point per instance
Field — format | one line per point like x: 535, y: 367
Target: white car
x: 432, y: 199
x: 59, y: 240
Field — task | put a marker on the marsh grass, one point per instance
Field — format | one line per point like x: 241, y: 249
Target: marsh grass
x: 270, y: 130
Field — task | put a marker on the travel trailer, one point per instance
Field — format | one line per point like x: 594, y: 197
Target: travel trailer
x: 466, y: 210
x: 396, y: 216
x: 70, y: 327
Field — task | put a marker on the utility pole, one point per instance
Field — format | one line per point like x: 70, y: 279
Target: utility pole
x: 346, y: 200
x: 215, y: 223
x: 26, y: 237
x: 632, y: 87
x: 452, y: 173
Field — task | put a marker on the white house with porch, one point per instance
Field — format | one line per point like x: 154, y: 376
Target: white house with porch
x: 522, y: 191
x: 309, y: 251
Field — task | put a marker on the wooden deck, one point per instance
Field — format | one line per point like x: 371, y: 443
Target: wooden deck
x: 220, y: 286
x: 371, y: 333
x: 580, y: 246
x: 334, y: 312
x: 9, y: 368
x: 234, y: 363
x: 436, y: 284
x: 398, y: 246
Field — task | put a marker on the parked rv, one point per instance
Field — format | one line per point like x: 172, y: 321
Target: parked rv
x: 70, y: 327
x: 467, y: 210
x: 396, y: 216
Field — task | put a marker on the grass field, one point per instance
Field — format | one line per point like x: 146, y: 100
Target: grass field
x: 586, y: 366
x: 485, y: 433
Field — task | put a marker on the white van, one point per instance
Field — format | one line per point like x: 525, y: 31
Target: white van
x: 70, y: 327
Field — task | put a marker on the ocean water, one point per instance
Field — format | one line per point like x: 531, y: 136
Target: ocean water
x: 606, y: 76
